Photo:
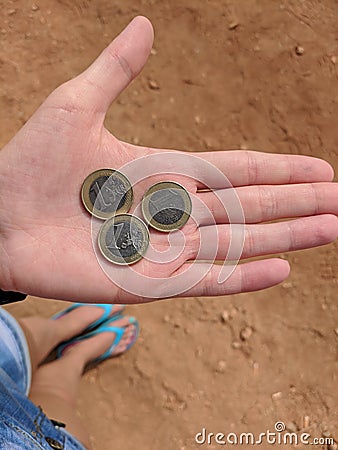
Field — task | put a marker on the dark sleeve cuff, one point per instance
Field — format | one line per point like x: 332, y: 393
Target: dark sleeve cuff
x: 11, y: 297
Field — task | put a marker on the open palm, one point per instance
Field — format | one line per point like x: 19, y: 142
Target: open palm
x: 46, y: 241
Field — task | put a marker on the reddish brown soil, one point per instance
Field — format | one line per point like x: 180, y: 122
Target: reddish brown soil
x: 228, y: 77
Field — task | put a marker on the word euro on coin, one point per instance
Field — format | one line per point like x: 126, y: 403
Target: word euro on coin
x: 106, y: 192
x: 123, y: 239
x: 166, y: 206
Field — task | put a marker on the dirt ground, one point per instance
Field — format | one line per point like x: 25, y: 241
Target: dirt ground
x: 256, y: 74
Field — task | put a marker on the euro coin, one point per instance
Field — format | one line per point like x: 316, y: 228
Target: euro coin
x: 123, y: 239
x: 166, y: 206
x: 106, y: 192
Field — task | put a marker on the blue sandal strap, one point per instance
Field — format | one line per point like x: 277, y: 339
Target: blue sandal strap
x: 66, y: 311
x: 107, y: 312
x: 119, y: 332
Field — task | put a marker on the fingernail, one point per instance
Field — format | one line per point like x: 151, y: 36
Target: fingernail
x: 132, y: 320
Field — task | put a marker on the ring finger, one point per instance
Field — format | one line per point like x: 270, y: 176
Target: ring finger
x: 268, y: 239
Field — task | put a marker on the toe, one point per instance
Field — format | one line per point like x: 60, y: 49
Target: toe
x: 129, y: 334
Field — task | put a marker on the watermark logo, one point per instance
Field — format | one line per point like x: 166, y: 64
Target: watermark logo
x: 279, y: 436
x: 280, y: 426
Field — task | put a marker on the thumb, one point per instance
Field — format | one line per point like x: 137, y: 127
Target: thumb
x: 99, y: 85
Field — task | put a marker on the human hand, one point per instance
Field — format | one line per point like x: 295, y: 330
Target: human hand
x: 46, y: 244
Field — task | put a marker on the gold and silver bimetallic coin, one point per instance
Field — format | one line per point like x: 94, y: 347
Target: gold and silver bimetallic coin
x: 124, y: 239
x: 106, y: 192
x: 166, y: 206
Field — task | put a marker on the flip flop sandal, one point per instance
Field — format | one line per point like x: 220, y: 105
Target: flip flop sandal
x: 107, y: 308
x: 104, y: 327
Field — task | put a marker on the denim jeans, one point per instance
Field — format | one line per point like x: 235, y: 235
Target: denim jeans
x: 23, y: 425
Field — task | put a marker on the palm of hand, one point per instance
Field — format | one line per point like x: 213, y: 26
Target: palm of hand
x: 51, y: 230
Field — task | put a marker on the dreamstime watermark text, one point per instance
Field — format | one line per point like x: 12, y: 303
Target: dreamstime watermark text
x: 278, y: 436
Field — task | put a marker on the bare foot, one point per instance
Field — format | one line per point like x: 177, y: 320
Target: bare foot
x: 45, y: 334
x: 93, y: 347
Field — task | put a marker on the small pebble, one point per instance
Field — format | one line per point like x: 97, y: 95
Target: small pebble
x: 336, y: 331
x: 236, y: 345
x: 153, y: 51
x: 233, y: 25
x: 10, y: 12
x: 153, y: 85
x: 277, y: 396
x: 225, y: 316
x: 166, y: 319
x: 221, y: 366
x: 306, y: 421
x: 299, y: 50
x: 255, y: 367
x: 35, y: 7
x: 334, y: 59
x: 246, y: 333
